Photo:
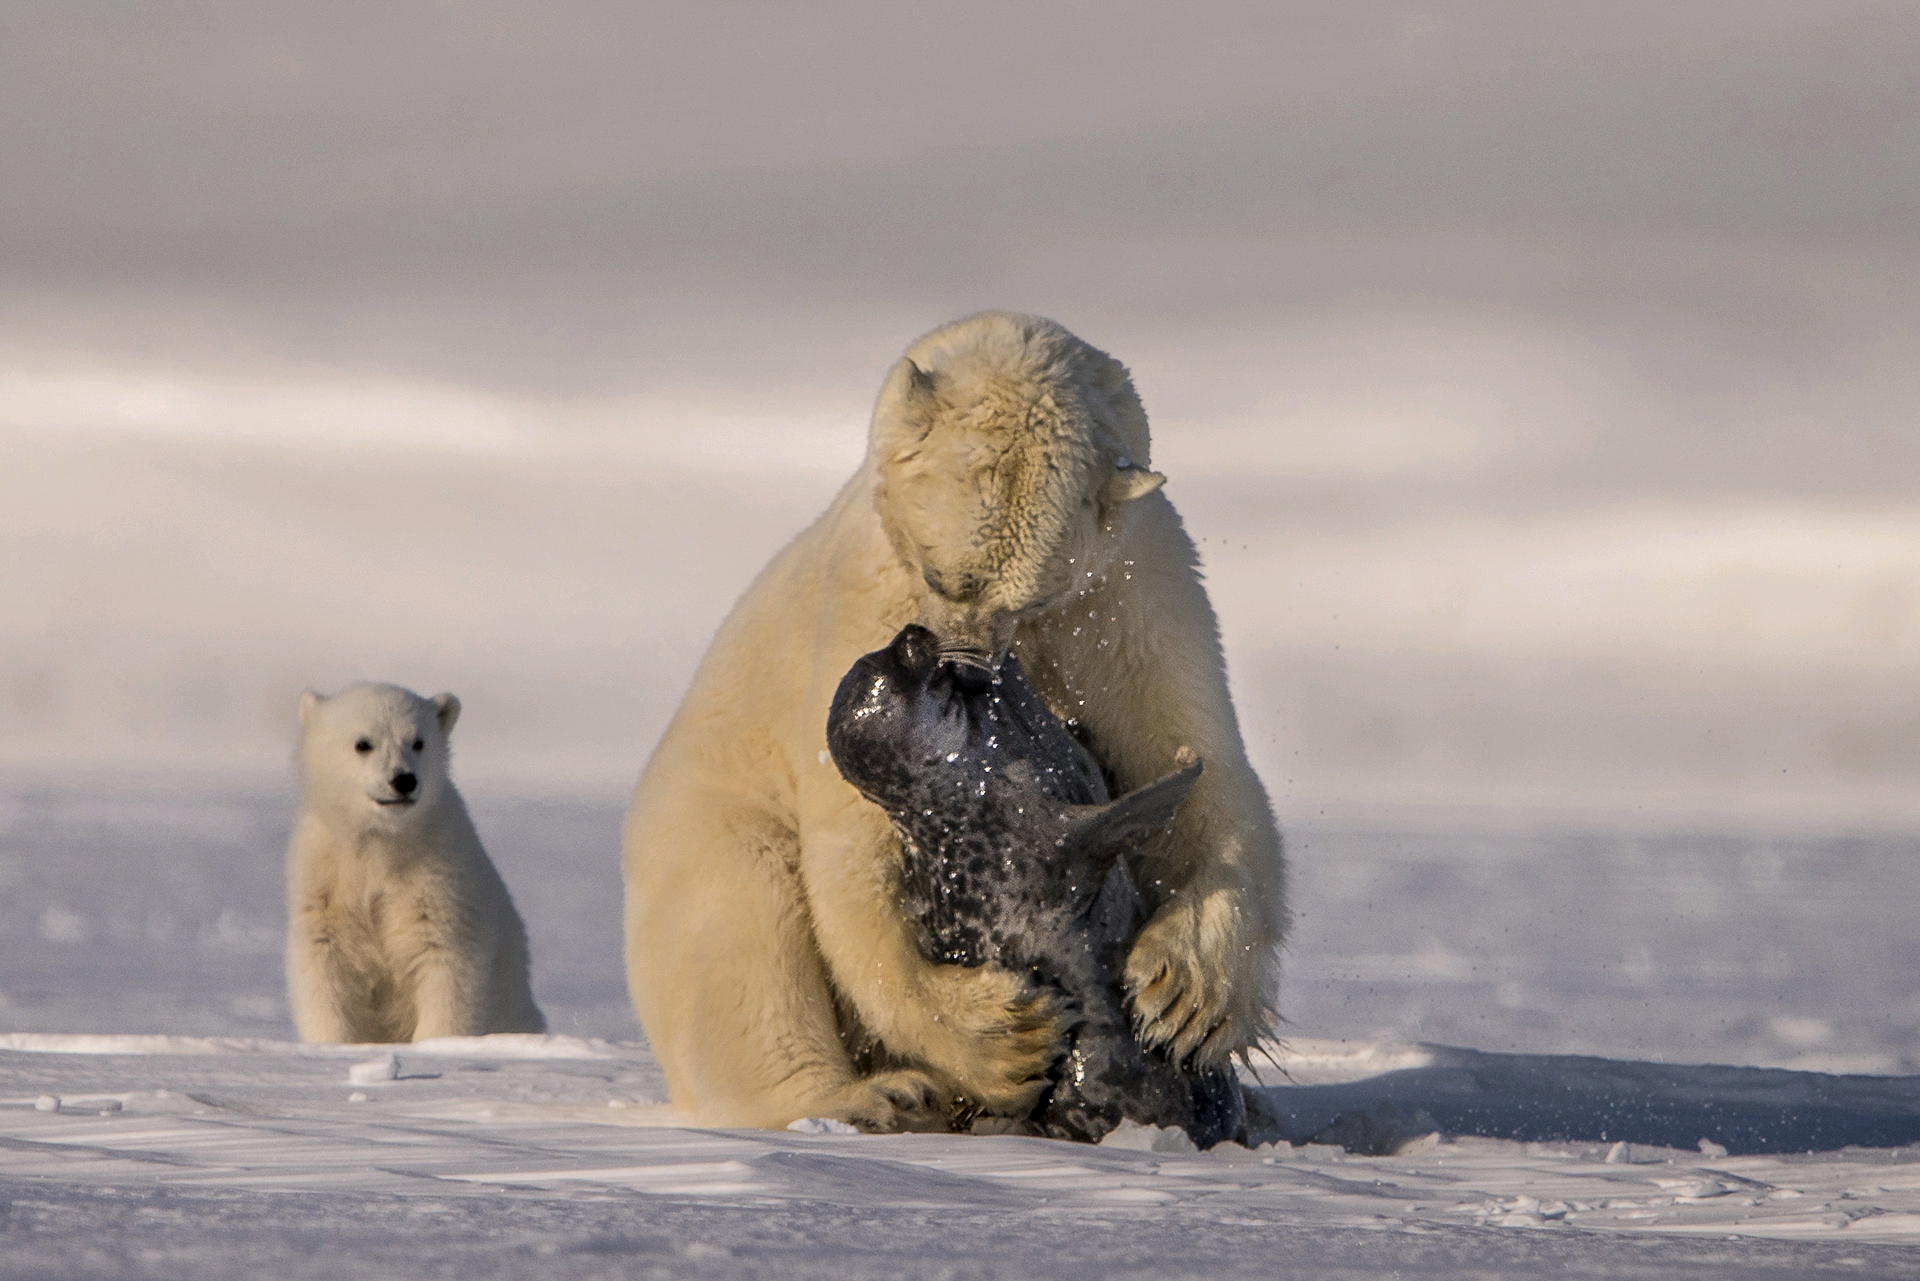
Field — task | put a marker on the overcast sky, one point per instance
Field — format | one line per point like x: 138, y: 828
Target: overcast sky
x: 1599, y: 318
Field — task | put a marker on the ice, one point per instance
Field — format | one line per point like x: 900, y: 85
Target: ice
x: 246, y: 1141
x: 498, y: 1045
x: 47, y: 1103
x: 235, y: 1146
x: 821, y: 1125
x: 374, y: 1071
x: 515, y: 1045
x: 1634, y: 1154
x: 1133, y: 1136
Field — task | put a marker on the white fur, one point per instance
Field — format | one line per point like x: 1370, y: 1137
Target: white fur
x: 399, y: 927
x: 1005, y: 500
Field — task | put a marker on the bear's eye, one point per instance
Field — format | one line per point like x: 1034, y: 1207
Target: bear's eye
x: 419, y: 743
x: 363, y: 747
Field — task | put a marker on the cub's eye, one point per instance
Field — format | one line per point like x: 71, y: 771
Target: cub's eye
x: 419, y: 743
x: 363, y: 747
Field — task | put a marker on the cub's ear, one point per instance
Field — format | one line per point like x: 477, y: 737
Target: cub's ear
x: 308, y: 702
x: 904, y: 413
x: 1128, y: 483
x: 446, y: 709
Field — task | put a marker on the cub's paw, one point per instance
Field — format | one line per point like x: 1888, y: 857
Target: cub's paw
x: 1183, y: 1002
x: 896, y: 1102
x: 1004, y: 1035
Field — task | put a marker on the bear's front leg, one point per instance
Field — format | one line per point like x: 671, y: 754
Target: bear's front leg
x: 1198, y: 975
x: 446, y: 998
x: 1149, y: 685
x: 986, y: 1030
x: 1201, y: 973
x: 321, y: 987
x: 445, y: 967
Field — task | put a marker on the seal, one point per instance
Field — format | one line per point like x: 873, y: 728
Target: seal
x: 1012, y: 853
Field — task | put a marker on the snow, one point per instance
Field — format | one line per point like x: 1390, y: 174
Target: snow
x: 821, y: 1125
x: 373, y: 1071
x: 498, y: 1045
x: 156, y: 1118
x: 536, y: 1134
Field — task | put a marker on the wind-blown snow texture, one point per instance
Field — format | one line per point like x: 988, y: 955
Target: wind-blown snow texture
x: 186, y: 1134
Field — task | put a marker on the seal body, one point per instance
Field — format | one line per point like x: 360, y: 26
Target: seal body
x: 1012, y: 856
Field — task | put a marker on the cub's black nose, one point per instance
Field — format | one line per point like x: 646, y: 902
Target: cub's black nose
x: 405, y: 783
x: 970, y: 680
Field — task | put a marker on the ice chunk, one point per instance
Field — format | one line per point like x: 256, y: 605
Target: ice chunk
x: 1695, y: 1187
x: 1708, y: 1148
x: 1634, y: 1154
x: 374, y: 1071
x: 47, y: 1103
x: 1148, y: 1138
x: 821, y: 1125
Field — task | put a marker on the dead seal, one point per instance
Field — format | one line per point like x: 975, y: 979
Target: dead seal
x: 1012, y: 851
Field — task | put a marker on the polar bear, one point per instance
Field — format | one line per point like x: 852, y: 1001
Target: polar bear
x: 399, y: 928
x: 1006, y: 505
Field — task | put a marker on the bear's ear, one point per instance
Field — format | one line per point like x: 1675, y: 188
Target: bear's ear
x: 308, y: 701
x: 904, y: 414
x: 1128, y: 483
x: 446, y: 709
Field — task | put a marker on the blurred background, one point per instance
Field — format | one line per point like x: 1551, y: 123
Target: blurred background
x: 1538, y: 380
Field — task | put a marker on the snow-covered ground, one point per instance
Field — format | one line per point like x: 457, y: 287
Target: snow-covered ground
x: 155, y: 1118
x: 496, y: 1156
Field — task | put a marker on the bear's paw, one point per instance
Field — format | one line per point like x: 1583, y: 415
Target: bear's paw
x: 897, y: 1102
x: 1183, y: 1001
x: 1005, y: 1035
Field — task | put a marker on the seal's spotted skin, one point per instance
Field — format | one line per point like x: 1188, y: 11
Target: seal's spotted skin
x: 1012, y: 852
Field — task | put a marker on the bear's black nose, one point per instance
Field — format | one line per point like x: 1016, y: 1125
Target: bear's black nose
x: 404, y: 784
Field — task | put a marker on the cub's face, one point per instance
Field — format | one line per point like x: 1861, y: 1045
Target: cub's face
x: 376, y: 754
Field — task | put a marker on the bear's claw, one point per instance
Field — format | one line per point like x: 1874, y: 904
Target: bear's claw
x: 1181, y: 1005
x: 895, y: 1102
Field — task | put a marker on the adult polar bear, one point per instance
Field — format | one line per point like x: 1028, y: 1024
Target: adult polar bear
x: 1004, y: 501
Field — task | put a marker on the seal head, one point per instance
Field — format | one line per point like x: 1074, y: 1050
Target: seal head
x: 1013, y: 854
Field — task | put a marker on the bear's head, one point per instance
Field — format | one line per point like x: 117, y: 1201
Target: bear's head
x: 1007, y: 453
x: 375, y: 756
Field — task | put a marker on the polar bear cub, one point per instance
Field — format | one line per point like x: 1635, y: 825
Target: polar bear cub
x: 399, y: 928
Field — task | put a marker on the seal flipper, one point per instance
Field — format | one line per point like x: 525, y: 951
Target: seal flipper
x: 1095, y: 836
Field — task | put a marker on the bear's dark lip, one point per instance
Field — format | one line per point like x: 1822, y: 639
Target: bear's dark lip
x: 398, y: 800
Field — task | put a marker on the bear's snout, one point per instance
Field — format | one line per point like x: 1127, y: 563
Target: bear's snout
x: 404, y: 783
